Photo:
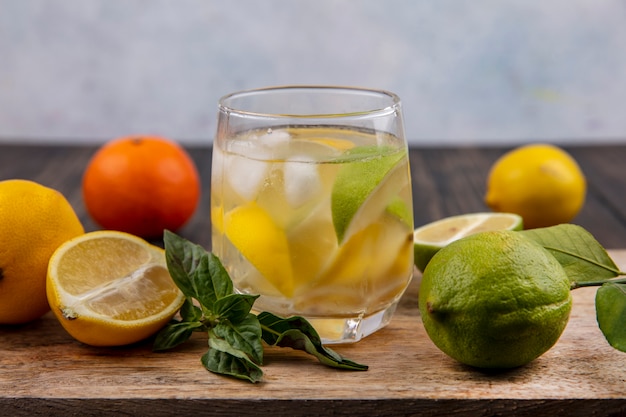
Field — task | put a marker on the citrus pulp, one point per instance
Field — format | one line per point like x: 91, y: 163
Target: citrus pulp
x: 428, y: 239
x: 109, y: 288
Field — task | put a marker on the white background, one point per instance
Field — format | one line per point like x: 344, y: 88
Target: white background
x: 474, y: 71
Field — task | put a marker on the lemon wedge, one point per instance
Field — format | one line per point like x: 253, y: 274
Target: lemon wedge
x: 111, y: 288
x: 262, y: 242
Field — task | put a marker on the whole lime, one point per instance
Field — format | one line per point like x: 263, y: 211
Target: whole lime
x: 494, y: 300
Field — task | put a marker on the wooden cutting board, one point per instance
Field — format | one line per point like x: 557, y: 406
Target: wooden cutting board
x: 43, y: 371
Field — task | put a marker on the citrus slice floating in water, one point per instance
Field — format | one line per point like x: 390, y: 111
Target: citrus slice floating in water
x: 262, y: 242
x: 428, y: 239
x: 364, y: 187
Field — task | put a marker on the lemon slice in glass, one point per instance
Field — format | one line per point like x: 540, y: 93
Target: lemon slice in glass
x: 263, y: 243
x: 428, y: 239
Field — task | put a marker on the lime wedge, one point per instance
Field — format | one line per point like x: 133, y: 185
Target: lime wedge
x: 358, y: 180
x: 260, y: 240
x: 428, y: 239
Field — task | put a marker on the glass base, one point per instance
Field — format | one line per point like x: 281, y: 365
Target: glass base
x: 350, y: 329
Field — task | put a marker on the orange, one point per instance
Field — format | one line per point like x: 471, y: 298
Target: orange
x: 141, y: 185
x: 34, y: 221
x: 110, y: 288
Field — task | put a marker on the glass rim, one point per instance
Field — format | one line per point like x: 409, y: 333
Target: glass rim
x: 392, y: 105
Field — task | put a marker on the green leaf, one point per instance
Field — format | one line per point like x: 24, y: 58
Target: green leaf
x: 585, y: 261
x: 183, y: 259
x: 297, y: 333
x: 234, y: 307
x: 611, y: 313
x: 245, y: 336
x: 189, y: 311
x: 196, y: 272
x: 222, y: 284
x: 222, y: 358
x: 235, y: 335
x: 174, y: 334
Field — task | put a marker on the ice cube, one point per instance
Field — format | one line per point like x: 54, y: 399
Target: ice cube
x: 275, y: 144
x: 245, y: 176
x: 302, y: 181
x: 274, y: 138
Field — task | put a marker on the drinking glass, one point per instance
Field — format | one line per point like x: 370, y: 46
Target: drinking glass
x: 311, y: 204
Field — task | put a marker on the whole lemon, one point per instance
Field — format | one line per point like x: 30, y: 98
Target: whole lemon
x: 494, y: 299
x: 540, y: 182
x: 34, y: 221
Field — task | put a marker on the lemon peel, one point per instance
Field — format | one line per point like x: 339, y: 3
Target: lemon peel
x: 110, y: 288
x: 260, y: 240
x: 540, y: 182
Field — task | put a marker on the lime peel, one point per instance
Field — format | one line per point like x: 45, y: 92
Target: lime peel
x: 494, y: 300
x: 365, y: 169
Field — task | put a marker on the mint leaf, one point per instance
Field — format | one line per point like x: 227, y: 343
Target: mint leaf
x: 585, y: 261
x: 196, y: 272
x: 174, y: 334
x: 183, y: 260
x: 245, y: 336
x: 297, y: 333
x: 611, y: 313
x: 224, y: 359
x: 234, y: 307
x: 189, y: 311
x: 235, y: 335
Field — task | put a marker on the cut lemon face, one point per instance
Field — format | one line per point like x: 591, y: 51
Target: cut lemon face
x: 110, y: 288
x: 428, y: 239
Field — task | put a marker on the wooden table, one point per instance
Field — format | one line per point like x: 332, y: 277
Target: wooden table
x: 43, y: 371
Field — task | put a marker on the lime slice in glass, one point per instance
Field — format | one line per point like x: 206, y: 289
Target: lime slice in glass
x: 365, y: 186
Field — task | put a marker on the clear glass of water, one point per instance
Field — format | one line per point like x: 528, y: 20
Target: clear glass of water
x: 311, y: 204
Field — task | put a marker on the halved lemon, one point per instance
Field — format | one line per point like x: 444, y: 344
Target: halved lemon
x: 428, y: 239
x: 110, y: 288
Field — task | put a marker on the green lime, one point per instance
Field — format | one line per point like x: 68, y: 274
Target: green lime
x: 428, y: 239
x: 366, y: 176
x: 494, y: 300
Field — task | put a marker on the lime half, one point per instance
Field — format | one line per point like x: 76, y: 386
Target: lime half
x: 428, y: 239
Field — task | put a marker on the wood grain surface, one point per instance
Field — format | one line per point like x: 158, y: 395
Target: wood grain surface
x: 43, y: 371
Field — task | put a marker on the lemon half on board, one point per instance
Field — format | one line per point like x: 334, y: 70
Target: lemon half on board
x: 428, y: 239
x: 110, y: 288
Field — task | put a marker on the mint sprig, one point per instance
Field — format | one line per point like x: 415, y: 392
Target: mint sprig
x: 587, y: 264
x: 235, y: 335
